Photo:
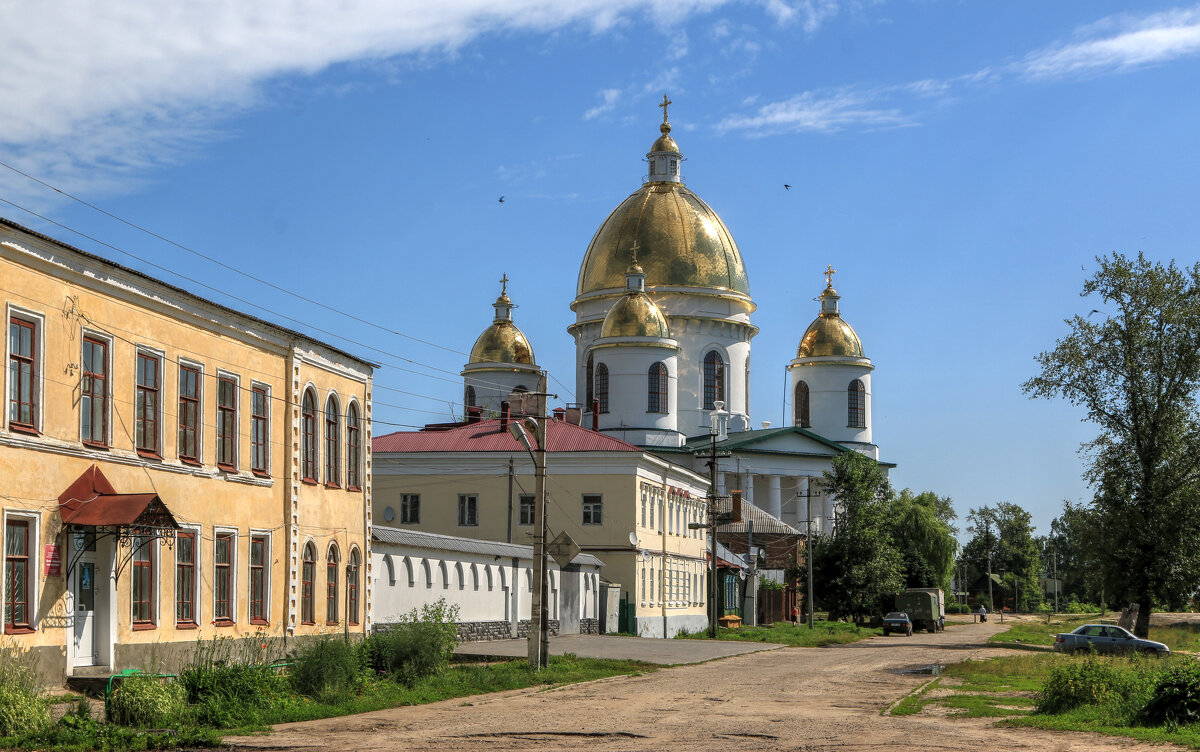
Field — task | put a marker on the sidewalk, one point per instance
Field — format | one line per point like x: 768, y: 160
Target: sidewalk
x: 648, y: 650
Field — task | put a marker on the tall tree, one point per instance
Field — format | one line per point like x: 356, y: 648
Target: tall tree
x: 858, y: 566
x: 1135, y: 369
x: 1006, y: 532
x: 922, y: 530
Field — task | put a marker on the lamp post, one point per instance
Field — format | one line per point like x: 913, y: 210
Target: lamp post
x: 716, y: 432
x: 808, y: 546
x: 539, y: 626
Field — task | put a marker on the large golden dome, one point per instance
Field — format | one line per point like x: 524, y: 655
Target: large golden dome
x: 829, y: 334
x: 635, y: 315
x: 681, y: 242
x: 502, y: 342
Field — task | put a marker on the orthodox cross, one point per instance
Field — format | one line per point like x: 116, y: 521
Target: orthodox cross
x: 633, y: 249
x: 504, y: 284
x: 664, y: 104
x: 829, y: 272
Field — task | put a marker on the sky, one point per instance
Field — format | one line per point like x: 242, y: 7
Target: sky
x: 961, y: 164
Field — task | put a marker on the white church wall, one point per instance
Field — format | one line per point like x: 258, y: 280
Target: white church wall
x: 828, y: 384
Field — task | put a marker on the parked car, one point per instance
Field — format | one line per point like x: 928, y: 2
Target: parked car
x: 926, y: 607
x: 1105, y: 638
x: 897, y: 621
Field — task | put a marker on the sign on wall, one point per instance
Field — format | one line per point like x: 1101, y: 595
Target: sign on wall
x: 53, y: 558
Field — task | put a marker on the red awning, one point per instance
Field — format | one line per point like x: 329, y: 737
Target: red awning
x: 92, y: 500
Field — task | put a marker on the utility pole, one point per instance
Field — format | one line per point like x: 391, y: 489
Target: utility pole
x: 510, y: 499
x: 987, y: 528
x: 751, y: 618
x: 712, y: 536
x: 808, y: 551
x: 1055, y: 555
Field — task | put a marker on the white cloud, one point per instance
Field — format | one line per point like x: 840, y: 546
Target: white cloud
x: 1138, y: 42
x: 809, y: 13
x: 609, y: 99
x: 812, y: 111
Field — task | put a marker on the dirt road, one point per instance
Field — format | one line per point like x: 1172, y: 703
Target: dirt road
x: 810, y: 699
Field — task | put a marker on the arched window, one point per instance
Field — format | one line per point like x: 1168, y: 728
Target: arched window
x: 408, y: 570
x: 445, y: 575
x: 458, y: 570
x: 308, y: 437
x: 428, y: 573
x: 801, y: 407
x: 656, y: 389
x: 331, y: 584
x: 333, y: 441
x: 469, y: 396
x: 307, y: 585
x: 352, y: 587
x: 491, y: 581
x: 856, y: 405
x: 602, y: 386
x: 590, y: 377
x: 474, y: 577
x: 714, y: 379
x: 353, y: 447
x: 391, y: 568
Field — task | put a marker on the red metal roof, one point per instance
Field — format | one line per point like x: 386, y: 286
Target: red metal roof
x: 490, y: 436
x: 92, y: 500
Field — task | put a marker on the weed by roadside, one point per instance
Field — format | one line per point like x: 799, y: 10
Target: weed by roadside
x: 785, y: 633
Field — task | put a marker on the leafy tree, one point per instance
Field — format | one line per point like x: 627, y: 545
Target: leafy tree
x: 1075, y: 549
x: 1135, y: 371
x: 923, y: 533
x: 1006, y: 532
x: 858, y: 567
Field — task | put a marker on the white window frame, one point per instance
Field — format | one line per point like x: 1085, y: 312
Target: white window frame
x: 197, y: 576
x: 156, y: 617
x: 266, y: 469
x: 233, y: 572
x: 270, y: 542
x: 160, y: 356
x: 472, y: 501
x: 39, y: 363
x: 408, y: 497
x: 35, y: 563
x: 237, y: 419
x: 200, y: 395
x: 108, y: 385
x: 598, y: 510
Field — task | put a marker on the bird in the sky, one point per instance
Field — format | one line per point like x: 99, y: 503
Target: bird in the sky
x: 502, y: 199
x: 786, y: 187
x: 1094, y: 310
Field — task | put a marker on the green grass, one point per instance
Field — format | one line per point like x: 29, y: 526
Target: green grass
x: 797, y: 636
x: 1177, y: 636
x: 913, y: 702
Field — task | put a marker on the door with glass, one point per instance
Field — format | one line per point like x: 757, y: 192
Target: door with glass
x: 83, y: 591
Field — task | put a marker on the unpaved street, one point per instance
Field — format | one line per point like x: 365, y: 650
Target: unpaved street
x: 810, y: 699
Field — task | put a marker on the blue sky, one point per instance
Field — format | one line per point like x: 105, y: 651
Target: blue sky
x: 960, y: 163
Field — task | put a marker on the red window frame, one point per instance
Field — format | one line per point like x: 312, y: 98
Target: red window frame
x: 16, y: 579
x: 222, y: 578
x: 307, y: 594
x: 227, y: 422
x: 656, y: 389
x: 602, y: 387
x: 802, y: 417
x: 23, y: 367
x: 714, y: 379
x: 856, y: 405
x: 189, y: 413
x: 353, y: 448
x: 94, y: 391
x: 142, y: 583
x: 258, y: 579
x: 185, y: 580
x: 332, y: 440
x: 331, y: 586
x: 259, y: 431
x: 149, y: 390
x: 308, y: 438
x: 352, y: 589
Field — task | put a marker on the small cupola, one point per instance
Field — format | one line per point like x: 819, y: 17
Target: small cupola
x: 664, y: 157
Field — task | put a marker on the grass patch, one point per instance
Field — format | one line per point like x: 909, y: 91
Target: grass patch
x: 1178, y: 636
x: 913, y: 701
x: 797, y: 636
x: 1175, y: 636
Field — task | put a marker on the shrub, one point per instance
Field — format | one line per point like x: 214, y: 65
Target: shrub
x: 1074, y: 606
x: 22, y: 707
x: 1074, y: 683
x: 145, y: 701
x: 229, y: 685
x: 420, y: 644
x: 958, y: 608
x: 325, y: 666
x: 1176, y: 698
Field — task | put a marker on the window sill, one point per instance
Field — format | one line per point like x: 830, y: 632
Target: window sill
x: 332, y: 623
x: 149, y: 454
x: 332, y: 485
x: 19, y: 630
x: 226, y: 468
x: 309, y: 481
x: 144, y: 626
x: 307, y: 623
x: 260, y: 622
x: 354, y: 489
x: 191, y: 461
x: 261, y: 474
x: 219, y: 623
x: 96, y: 445
x: 28, y: 430
x: 186, y: 625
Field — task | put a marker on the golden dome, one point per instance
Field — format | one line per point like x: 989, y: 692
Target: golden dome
x: 829, y: 334
x: 665, y: 143
x: 635, y: 315
x: 502, y: 342
x: 681, y: 243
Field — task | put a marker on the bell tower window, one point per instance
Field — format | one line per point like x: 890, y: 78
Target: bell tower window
x: 801, y: 405
x: 602, y: 386
x: 856, y: 405
x: 714, y: 379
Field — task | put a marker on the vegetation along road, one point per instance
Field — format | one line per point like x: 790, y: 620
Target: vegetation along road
x: 810, y: 699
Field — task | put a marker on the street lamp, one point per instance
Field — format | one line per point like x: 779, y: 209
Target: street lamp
x: 716, y: 432
x: 539, y: 627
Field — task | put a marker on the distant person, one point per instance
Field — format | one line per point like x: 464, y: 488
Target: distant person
x: 794, y: 616
x: 982, y: 612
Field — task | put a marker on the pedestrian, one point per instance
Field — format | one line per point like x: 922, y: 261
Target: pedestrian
x: 795, y: 614
x: 982, y: 612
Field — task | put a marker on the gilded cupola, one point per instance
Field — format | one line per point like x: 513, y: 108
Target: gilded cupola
x: 635, y: 314
x: 502, y: 342
x: 684, y: 243
x: 829, y: 334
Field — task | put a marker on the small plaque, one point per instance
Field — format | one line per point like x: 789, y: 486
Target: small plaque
x: 53, y: 558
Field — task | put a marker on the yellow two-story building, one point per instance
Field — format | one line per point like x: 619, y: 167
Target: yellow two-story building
x: 170, y: 468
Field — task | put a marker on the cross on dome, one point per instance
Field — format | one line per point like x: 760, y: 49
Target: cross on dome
x: 504, y: 284
x: 829, y: 272
x: 664, y: 105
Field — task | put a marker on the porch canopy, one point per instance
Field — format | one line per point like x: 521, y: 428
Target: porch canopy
x: 92, y: 501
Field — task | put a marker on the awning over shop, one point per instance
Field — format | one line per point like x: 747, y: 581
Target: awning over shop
x: 91, y: 500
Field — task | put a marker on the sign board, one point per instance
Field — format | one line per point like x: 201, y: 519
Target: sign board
x: 53, y: 558
x: 563, y: 549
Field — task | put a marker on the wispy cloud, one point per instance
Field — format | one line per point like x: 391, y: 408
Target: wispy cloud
x: 810, y: 14
x: 820, y: 112
x: 609, y: 99
x: 1139, y: 42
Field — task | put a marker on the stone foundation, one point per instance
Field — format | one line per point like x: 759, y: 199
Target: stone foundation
x: 484, y: 631
x: 589, y: 626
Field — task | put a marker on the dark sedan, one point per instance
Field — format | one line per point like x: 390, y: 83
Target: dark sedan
x: 897, y: 621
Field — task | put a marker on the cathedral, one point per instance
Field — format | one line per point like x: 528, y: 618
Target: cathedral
x: 662, y: 337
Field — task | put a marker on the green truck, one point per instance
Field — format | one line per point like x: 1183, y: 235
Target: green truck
x: 926, y: 607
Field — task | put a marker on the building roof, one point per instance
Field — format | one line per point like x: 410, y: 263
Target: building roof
x: 745, y: 441
x: 493, y: 436
x: 418, y: 539
x: 125, y: 269
x: 765, y: 523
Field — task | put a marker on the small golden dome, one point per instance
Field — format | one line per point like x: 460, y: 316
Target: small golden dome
x: 681, y: 241
x: 502, y: 342
x: 829, y: 335
x: 635, y: 315
x: 665, y: 143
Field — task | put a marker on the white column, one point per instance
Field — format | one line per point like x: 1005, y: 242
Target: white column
x: 748, y: 488
x: 774, y: 504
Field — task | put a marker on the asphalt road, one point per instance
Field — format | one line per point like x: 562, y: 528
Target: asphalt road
x: 811, y: 699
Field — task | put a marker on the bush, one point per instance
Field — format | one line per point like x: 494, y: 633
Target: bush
x: 958, y: 608
x: 420, y: 644
x: 1074, y: 606
x: 226, y: 690
x: 325, y: 666
x: 1074, y: 683
x: 145, y: 701
x: 22, y: 707
x: 1176, y: 698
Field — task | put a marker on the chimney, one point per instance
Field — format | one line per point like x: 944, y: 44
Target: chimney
x: 596, y: 415
x: 504, y: 413
x: 474, y: 414
x: 560, y: 413
x: 736, y: 504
